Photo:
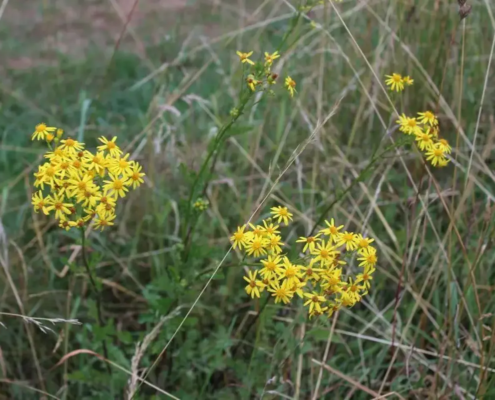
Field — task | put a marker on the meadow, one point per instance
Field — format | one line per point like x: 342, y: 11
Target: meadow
x: 158, y: 301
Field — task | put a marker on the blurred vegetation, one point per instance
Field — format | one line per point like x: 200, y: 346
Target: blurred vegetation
x: 425, y: 330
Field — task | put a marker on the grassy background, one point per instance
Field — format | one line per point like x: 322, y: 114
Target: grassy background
x: 164, y: 83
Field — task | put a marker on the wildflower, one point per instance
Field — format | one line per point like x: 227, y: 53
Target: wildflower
x: 314, y: 300
x: 95, y: 162
x: 49, y: 137
x: 444, y: 145
x: 408, y: 80
x: 269, y: 58
x: 240, y: 238
x: 39, y: 202
x: 117, y: 185
x: 290, y: 272
x: 349, y: 239
x: 275, y: 243
x: 331, y: 277
x: 408, y: 125
x: 59, y: 132
x: 309, y: 242
x: 290, y: 84
x: 110, y: 146
x: 282, y: 293
x: 57, y: 203
x: 49, y: 174
x: 120, y: 165
x: 88, y: 197
x: 244, y: 57
x: 310, y: 272
x: 270, y: 229
x: 436, y: 155
x: 297, y: 288
x: 135, y: 175
x: 395, y: 82
x: 252, y: 82
x: 252, y: 288
x: 104, y: 220
x: 282, y: 213
x: 332, y: 231
x: 333, y: 307
x: 368, y: 257
x: 428, y: 117
x: 257, y: 230
x: 41, y: 131
x: 257, y: 246
x: 271, y: 267
x: 324, y: 252
x: 362, y: 242
x: 71, y: 146
x: 366, y: 276
x: 424, y: 141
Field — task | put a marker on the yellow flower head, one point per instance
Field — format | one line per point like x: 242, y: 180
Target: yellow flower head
x: 244, y: 57
x: 436, y: 155
x: 269, y: 58
x: 395, y: 82
x: 408, y: 125
x: 290, y: 84
x: 41, y: 131
x: 408, y: 80
x: 109, y: 146
x: 281, y: 214
x: 428, y: 117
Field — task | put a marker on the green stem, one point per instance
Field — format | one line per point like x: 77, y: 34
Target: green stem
x: 97, y: 295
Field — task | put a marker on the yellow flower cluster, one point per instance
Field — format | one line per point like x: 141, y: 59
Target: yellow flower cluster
x: 425, y: 129
x: 261, y: 76
x: 81, y: 185
x: 321, y: 276
x: 397, y: 82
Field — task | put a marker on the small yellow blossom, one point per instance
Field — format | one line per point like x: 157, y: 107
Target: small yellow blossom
x: 408, y: 125
x: 395, y: 82
x: 428, y: 117
x: 408, y: 80
x: 332, y: 231
x: 240, y: 238
x: 290, y: 84
x: 282, y: 293
x: 253, y: 286
x: 368, y: 257
x: 314, y: 301
x: 41, y: 131
x: 424, y: 141
x: 444, y: 145
x: 244, y: 57
x: 272, y: 267
x: 257, y: 246
x: 110, y: 146
x: 436, y: 155
x: 309, y: 242
x: 39, y: 202
x: 281, y: 214
x: 349, y: 239
x: 269, y: 58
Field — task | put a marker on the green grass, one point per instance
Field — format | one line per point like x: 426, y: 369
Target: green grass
x: 431, y: 339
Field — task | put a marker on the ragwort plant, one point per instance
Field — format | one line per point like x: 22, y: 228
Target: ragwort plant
x: 80, y: 188
x: 324, y: 276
